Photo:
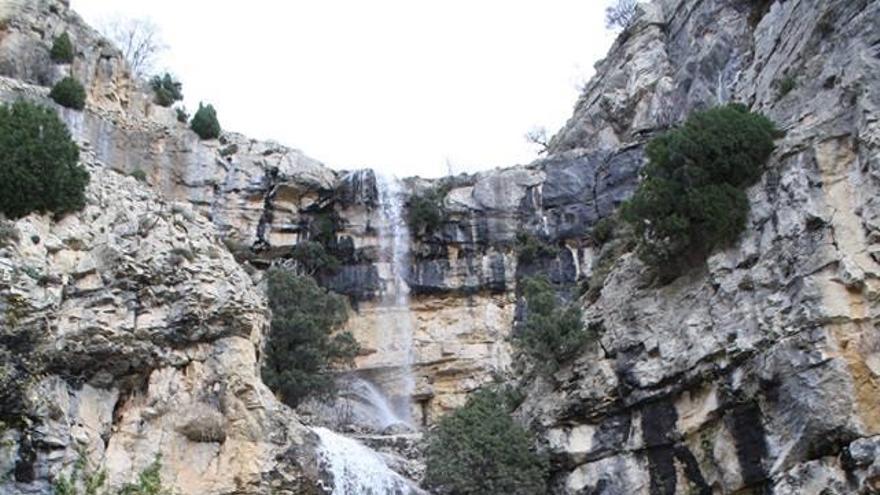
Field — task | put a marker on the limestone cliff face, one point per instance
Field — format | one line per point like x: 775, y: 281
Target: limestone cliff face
x: 756, y: 372
x: 135, y: 334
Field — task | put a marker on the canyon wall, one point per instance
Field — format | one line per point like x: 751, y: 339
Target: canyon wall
x: 756, y: 372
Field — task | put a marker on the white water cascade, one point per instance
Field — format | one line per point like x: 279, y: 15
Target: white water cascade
x: 397, y: 332
x: 369, y: 406
x: 357, y: 470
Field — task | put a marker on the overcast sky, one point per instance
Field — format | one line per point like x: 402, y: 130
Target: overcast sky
x: 399, y: 85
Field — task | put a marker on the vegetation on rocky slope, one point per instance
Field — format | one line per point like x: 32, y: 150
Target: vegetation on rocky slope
x: 166, y: 90
x: 91, y: 482
x: 62, y: 50
x: 692, y: 199
x: 38, y: 162
x: 552, y: 332
x: 205, y: 123
x: 69, y: 93
x: 480, y: 450
x: 301, y: 347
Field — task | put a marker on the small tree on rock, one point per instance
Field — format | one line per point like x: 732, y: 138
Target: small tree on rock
x: 480, y: 450
x: 302, y: 347
x: 692, y: 199
x: 62, y: 50
x: 205, y: 123
x: 38, y: 162
x: 166, y: 90
x: 69, y: 93
x: 552, y: 333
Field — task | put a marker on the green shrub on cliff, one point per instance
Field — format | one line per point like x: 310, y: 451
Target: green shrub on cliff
x: 38, y: 162
x: 480, y: 450
x: 425, y: 213
x: 205, y: 123
x: 69, y: 93
x: 692, y: 198
x: 62, y: 50
x: 302, y: 347
x: 530, y: 248
x: 166, y: 90
x: 552, y: 333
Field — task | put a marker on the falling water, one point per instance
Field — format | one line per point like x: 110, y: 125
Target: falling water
x: 369, y: 406
x: 357, y: 470
x: 396, y: 335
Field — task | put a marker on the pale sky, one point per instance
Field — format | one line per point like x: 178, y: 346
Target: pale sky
x: 402, y: 86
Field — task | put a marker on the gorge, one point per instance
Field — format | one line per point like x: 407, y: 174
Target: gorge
x: 134, y: 329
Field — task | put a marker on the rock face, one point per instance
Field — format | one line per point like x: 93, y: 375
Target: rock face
x: 756, y: 372
x: 143, y: 332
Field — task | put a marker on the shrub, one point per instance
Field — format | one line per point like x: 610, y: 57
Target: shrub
x: 551, y: 333
x: 301, y: 349
x: 323, y: 226
x: 139, y: 175
x: 62, y: 50
x: 691, y: 198
x: 784, y: 86
x: 69, y: 93
x: 91, y: 481
x: 479, y: 449
x: 529, y: 248
x: 313, y: 258
x: 166, y: 90
x: 205, y: 122
x: 182, y: 116
x: 426, y: 213
x: 38, y: 162
x: 149, y: 482
x: 603, y: 230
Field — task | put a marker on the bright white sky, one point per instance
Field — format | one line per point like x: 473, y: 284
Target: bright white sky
x: 399, y: 85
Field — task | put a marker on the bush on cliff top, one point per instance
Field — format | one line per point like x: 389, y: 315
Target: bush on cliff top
x: 480, y: 450
x: 38, y: 163
x: 69, y: 93
x: 166, y: 90
x: 692, y: 198
x: 205, y: 123
x: 301, y: 348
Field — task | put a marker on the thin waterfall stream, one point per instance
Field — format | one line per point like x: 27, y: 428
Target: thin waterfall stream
x: 384, y: 405
x: 397, y: 334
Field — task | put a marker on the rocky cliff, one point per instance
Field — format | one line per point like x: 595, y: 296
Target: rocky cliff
x: 755, y: 372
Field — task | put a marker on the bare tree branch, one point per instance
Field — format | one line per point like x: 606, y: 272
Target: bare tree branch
x: 139, y: 40
x: 538, y: 136
x: 621, y: 14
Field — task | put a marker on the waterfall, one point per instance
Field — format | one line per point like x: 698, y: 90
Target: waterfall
x: 369, y: 406
x: 355, y: 469
x: 397, y: 332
